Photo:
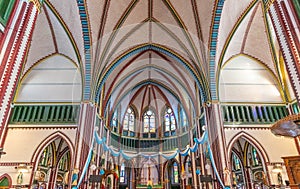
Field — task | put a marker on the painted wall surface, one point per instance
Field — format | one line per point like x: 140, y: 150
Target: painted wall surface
x: 275, y: 147
x: 21, y: 144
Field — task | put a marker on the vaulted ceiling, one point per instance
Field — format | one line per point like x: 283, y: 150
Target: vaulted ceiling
x: 109, y: 50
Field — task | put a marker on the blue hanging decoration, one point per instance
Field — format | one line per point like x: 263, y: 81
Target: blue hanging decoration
x: 203, y: 138
x: 185, y: 153
x: 194, y: 148
x: 105, y: 147
x: 170, y: 156
x: 101, y: 172
x: 198, y: 172
x: 127, y: 157
x: 98, y: 139
x: 113, y: 153
x: 150, y: 156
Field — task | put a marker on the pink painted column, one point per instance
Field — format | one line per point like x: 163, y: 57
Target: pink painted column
x: 87, y: 121
x: 286, y: 25
x: 14, y: 44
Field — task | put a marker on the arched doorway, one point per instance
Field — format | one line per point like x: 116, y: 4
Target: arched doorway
x: 188, y: 180
x: 247, y: 165
x: 52, y: 165
x: 149, y: 173
x: 172, y: 175
x: 126, y: 175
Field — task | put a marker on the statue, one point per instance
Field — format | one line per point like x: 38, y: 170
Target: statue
x: 279, y: 178
x: 74, y: 177
x: 226, y: 177
x: 20, y: 178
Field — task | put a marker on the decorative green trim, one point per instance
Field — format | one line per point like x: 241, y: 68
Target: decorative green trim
x: 44, y: 114
x: 297, y: 7
x: 147, y: 144
x: 4, y: 182
x: 295, y: 108
x: 5, y: 10
x: 253, y: 114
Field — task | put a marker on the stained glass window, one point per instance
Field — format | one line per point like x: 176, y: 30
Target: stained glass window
x: 46, y: 158
x: 128, y: 123
x: 114, y: 121
x: 169, y: 118
x: 175, y: 172
x: 64, y: 162
x: 255, y: 158
x: 122, y: 173
x: 149, y: 122
x: 236, y: 163
x: 183, y: 118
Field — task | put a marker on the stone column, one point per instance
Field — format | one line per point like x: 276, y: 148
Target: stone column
x: 84, y: 138
x: 286, y: 26
x: 14, y: 45
x: 216, y: 138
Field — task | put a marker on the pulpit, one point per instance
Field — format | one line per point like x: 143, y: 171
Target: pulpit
x: 290, y: 127
x: 292, y: 165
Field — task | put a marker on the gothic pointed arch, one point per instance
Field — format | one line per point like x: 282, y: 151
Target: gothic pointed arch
x: 248, y: 157
x: 5, y: 181
x: 52, y: 161
x: 48, y: 141
x: 252, y: 140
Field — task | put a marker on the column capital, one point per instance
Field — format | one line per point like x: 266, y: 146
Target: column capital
x: 38, y: 4
x: 268, y: 3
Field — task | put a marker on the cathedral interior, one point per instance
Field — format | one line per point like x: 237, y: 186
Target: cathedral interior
x: 140, y: 94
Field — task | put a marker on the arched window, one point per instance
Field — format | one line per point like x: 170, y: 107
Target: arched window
x: 184, y: 122
x: 255, y: 158
x: 122, y: 173
x: 128, y: 123
x: 149, y: 122
x: 64, y: 162
x: 114, y: 121
x: 236, y: 163
x: 169, y: 118
x: 46, y: 158
x: 169, y: 122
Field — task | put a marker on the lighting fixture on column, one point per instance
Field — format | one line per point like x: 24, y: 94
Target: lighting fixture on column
x: 277, y: 168
x: 22, y: 168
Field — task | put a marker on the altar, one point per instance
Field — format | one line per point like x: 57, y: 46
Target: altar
x: 146, y: 187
